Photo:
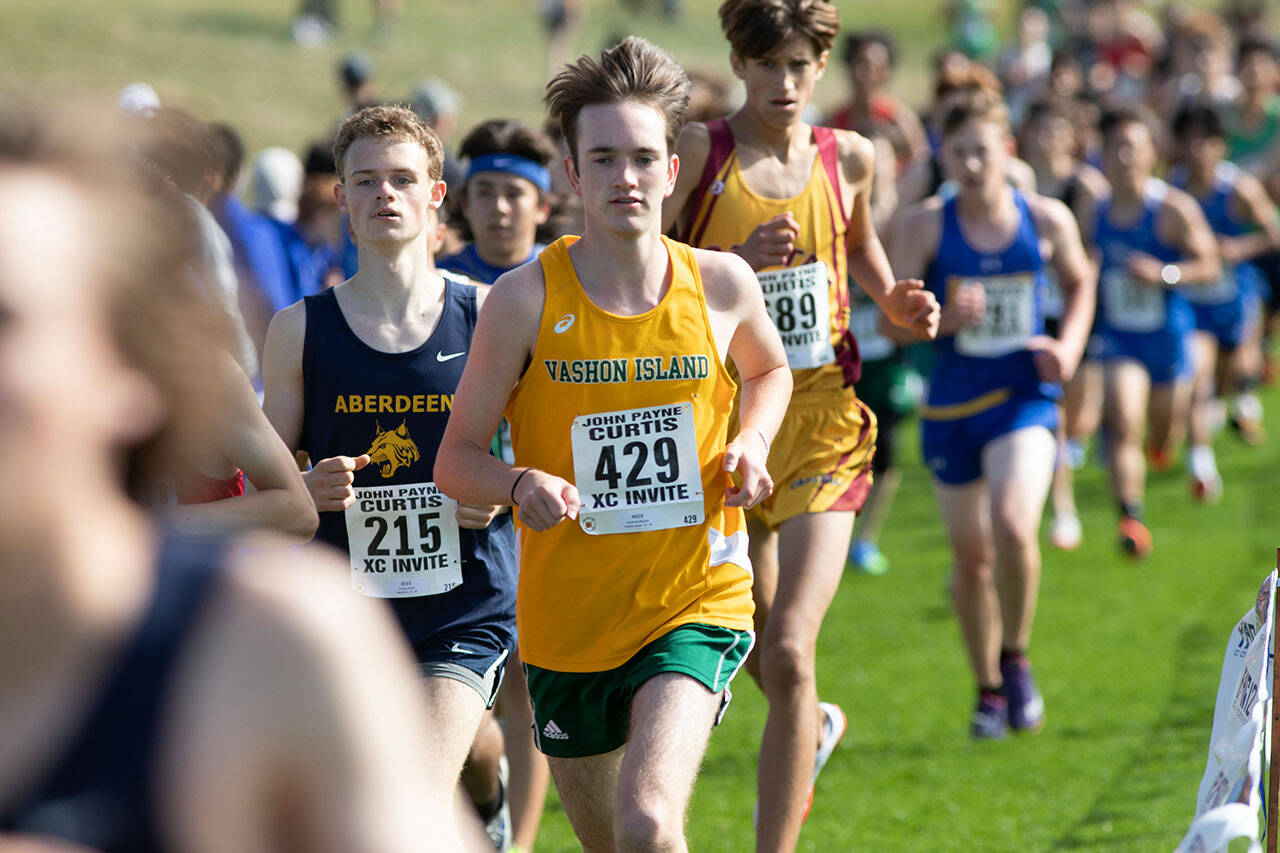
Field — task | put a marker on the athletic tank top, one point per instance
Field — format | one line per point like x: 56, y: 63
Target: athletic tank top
x: 184, y: 484
x: 990, y: 355
x: 634, y: 411
x: 1218, y: 210
x: 467, y: 262
x: 808, y: 299
x: 1251, y: 147
x: 401, y: 536
x: 1125, y: 305
x: 100, y: 792
x: 1070, y: 194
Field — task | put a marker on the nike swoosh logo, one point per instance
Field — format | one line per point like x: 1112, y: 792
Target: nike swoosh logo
x: 450, y: 357
x: 459, y: 650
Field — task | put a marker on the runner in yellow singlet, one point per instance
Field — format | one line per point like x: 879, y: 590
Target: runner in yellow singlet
x: 609, y: 358
x: 794, y: 201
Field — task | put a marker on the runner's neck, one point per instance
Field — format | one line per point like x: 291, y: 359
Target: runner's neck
x: 620, y: 275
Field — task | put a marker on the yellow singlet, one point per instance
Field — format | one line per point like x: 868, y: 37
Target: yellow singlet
x: 729, y: 211
x: 634, y: 411
x: 821, y: 457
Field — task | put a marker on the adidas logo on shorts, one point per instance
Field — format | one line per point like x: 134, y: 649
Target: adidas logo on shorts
x: 553, y: 731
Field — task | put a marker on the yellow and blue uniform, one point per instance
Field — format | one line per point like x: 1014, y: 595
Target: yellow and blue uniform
x: 984, y: 382
x: 820, y: 459
x: 1138, y: 321
x: 634, y: 410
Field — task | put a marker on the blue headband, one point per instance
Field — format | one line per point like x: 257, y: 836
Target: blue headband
x: 514, y: 164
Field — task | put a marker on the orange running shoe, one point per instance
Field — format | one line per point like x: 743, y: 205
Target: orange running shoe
x: 1135, y: 538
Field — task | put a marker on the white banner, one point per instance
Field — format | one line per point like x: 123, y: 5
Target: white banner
x: 1229, y: 800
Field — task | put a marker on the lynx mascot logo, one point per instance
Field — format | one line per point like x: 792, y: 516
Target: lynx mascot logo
x: 392, y: 450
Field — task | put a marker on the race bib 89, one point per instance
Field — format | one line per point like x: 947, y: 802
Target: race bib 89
x: 403, y: 541
x: 637, y: 469
x: 798, y: 300
x: 1008, y: 321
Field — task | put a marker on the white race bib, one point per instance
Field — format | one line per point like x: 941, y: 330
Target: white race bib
x: 403, y: 541
x: 1132, y: 306
x: 1051, y: 302
x: 798, y: 299
x: 1009, y: 319
x: 1220, y: 292
x: 637, y: 469
x: 865, y: 325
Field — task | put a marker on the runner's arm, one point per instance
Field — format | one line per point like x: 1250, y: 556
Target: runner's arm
x: 1181, y: 223
x: 275, y: 497
x: 1078, y: 281
x: 500, y: 350
x: 303, y: 727
x: 914, y: 243
x: 905, y: 302
x: 736, y: 306
x: 693, y: 148
x: 1260, y: 213
x: 284, y: 400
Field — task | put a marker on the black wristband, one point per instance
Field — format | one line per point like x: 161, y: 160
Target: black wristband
x: 516, y: 483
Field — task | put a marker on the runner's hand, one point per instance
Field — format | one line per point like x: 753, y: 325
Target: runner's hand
x: 1051, y: 358
x: 1146, y: 269
x: 329, y: 482
x: 746, y: 455
x: 477, y: 516
x: 771, y: 242
x: 544, y: 500
x: 965, y: 306
x: 912, y: 307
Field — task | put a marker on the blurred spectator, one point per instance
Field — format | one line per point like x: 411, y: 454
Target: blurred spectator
x: 1197, y: 63
x: 1024, y: 64
x: 180, y: 148
x: 261, y: 264
x: 972, y: 30
x: 437, y: 103
x: 562, y: 19
x: 355, y: 80
x: 275, y: 183
x: 708, y: 96
x: 1122, y: 43
x: 138, y: 99
x: 1253, y: 121
x: 869, y: 59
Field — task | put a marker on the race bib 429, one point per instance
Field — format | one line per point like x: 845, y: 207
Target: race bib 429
x: 637, y: 469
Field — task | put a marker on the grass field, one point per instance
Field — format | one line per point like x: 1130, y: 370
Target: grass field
x: 1127, y: 654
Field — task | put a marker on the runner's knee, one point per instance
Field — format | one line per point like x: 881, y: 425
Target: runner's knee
x: 644, y: 825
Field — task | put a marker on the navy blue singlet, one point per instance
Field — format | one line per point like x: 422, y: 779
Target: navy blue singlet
x: 395, y: 406
x: 101, y: 791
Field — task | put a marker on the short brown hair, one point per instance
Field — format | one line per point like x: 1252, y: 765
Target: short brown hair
x: 966, y: 105
x: 144, y: 241
x: 632, y: 70
x: 388, y: 122
x: 755, y: 28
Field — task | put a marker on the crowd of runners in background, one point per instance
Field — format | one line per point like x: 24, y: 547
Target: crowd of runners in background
x: 1070, y: 253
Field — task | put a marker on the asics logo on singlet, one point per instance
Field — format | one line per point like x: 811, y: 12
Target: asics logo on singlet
x: 716, y: 188
x: 562, y: 325
x: 553, y: 731
x: 441, y: 357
